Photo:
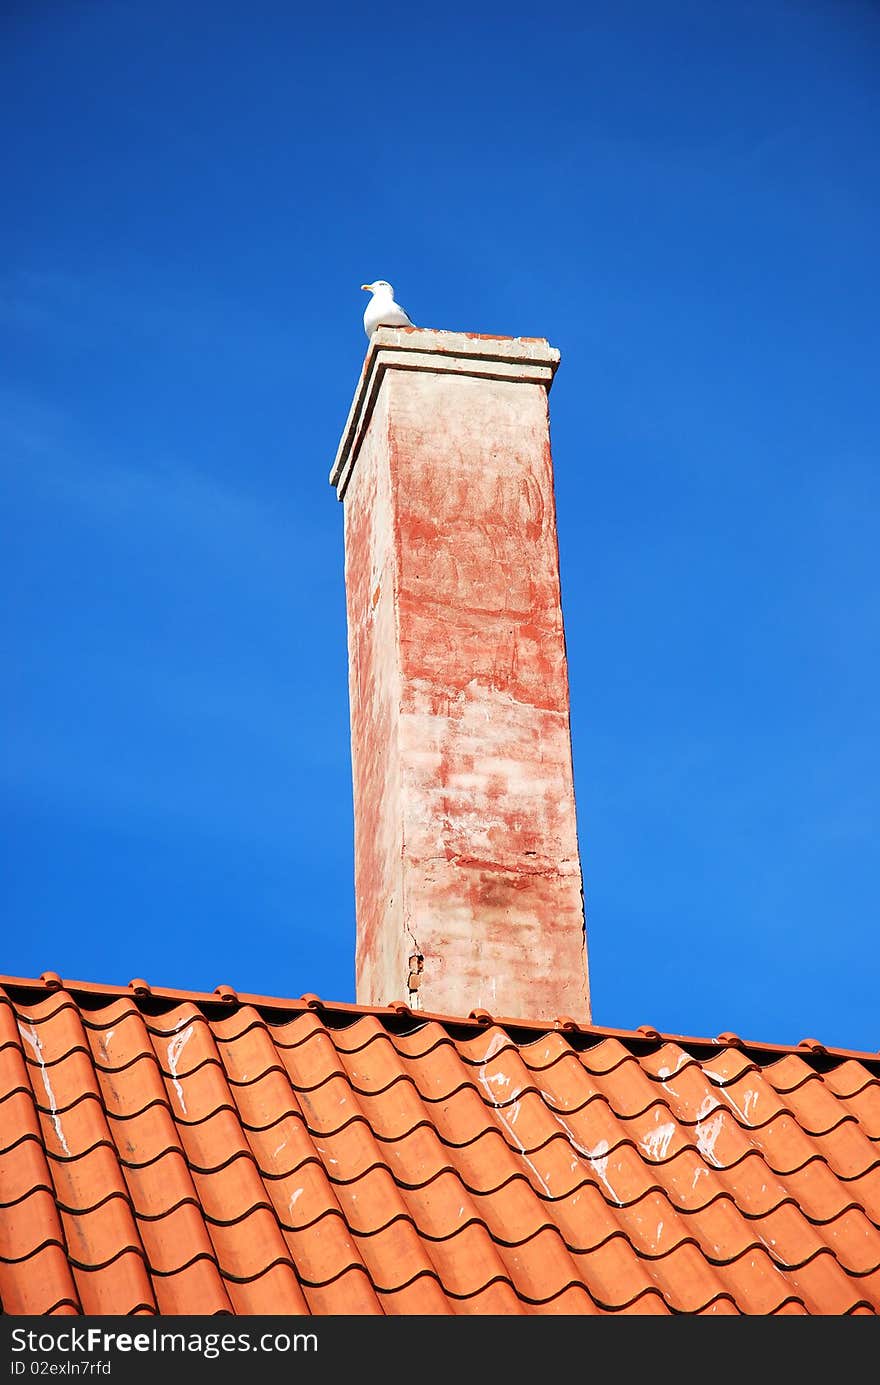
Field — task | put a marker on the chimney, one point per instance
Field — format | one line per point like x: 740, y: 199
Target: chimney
x: 467, y: 875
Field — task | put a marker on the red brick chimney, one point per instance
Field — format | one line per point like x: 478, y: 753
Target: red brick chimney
x: 467, y: 874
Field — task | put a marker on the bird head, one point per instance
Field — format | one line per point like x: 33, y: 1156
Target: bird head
x: 379, y: 286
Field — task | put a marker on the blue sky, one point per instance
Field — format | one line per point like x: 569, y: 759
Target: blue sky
x: 685, y: 199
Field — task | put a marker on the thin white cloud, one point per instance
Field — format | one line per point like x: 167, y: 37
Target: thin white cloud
x: 75, y: 310
x: 43, y: 460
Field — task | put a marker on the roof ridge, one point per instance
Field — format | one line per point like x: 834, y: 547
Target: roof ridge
x: 224, y: 1000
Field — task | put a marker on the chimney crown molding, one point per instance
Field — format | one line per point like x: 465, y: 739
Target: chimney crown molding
x: 529, y: 359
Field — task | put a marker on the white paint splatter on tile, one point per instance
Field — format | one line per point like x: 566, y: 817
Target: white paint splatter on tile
x: 36, y: 1043
x: 175, y: 1049
x: 749, y: 1100
x: 656, y: 1143
x: 707, y: 1132
x: 718, y: 1077
x: 598, y: 1158
x: 680, y: 1062
x: 498, y: 1041
x: 509, y: 1127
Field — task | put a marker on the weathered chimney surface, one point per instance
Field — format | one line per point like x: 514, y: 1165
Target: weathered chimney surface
x: 467, y: 874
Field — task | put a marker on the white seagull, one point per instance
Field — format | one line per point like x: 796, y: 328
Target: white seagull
x: 382, y: 311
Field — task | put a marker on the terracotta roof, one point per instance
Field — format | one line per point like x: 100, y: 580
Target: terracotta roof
x: 163, y: 1152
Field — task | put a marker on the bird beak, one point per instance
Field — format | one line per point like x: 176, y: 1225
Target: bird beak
x: 368, y: 287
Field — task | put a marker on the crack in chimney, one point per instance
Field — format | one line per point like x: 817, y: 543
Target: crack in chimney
x: 415, y: 964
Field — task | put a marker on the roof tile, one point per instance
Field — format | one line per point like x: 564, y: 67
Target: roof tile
x: 865, y: 1192
x: 196, y: 1289
x: 168, y: 1153
x: 122, y: 1286
x: 40, y: 1285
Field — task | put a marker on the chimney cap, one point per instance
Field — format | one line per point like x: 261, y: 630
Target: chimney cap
x: 529, y: 359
